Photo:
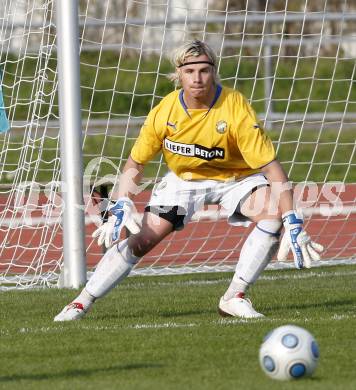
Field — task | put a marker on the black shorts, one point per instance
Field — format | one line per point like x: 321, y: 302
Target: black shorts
x: 173, y: 214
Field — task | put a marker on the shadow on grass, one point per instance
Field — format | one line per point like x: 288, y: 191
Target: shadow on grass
x: 156, y: 314
x: 187, y: 313
x: 77, y: 373
x: 329, y: 305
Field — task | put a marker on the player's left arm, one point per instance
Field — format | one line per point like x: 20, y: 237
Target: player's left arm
x: 280, y: 186
x: 295, y: 237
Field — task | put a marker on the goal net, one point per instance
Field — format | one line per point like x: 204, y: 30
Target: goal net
x: 294, y: 61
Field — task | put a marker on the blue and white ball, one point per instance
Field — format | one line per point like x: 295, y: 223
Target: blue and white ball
x: 289, y: 352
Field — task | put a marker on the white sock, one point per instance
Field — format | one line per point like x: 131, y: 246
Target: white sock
x: 85, y: 299
x: 256, y: 253
x: 115, y: 265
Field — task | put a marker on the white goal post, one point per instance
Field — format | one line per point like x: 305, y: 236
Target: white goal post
x: 294, y: 61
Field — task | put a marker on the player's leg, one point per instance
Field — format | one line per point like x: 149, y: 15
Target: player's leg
x: 116, y: 264
x: 256, y: 253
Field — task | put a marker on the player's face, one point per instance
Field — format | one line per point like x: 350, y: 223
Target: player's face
x: 197, y: 79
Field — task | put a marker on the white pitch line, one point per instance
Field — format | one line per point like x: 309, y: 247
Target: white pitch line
x: 232, y: 321
x: 172, y: 325
x: 161, y: 326
x: 51, y: 329
x: 308, y: 275
x: 298, y: 275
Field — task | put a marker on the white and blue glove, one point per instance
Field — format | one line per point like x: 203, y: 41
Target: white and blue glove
x: 122, y: 215
x: 295, y: 238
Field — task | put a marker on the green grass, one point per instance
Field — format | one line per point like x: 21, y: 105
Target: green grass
x: 115, y: 87
x: 309, y: 156
x: 164, y: 333
x: 125, y: 84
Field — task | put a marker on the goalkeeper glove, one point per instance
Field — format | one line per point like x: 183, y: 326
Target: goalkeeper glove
x: 296, y: 238
x: 122, y: 215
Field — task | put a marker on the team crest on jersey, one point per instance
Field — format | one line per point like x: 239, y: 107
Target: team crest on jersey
x: 221, y: 127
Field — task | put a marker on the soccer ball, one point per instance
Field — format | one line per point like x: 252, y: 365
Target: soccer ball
x: 289, y: 352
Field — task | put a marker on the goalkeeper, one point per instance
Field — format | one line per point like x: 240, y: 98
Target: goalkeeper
x: 217, y: 153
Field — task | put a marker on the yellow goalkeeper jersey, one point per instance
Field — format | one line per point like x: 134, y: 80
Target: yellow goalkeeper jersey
x: 223, y: 142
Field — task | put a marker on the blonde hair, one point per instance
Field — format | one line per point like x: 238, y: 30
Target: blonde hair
x: 194, y: 48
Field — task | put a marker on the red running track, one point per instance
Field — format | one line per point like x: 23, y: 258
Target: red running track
x: 205, y: 242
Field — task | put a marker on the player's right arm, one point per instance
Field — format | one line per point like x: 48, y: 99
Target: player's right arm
x: 122, y: 211
x: 129, y: 180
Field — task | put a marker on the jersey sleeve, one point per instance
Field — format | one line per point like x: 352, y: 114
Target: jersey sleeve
x: 148, y: 143
x: 255, y: 146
